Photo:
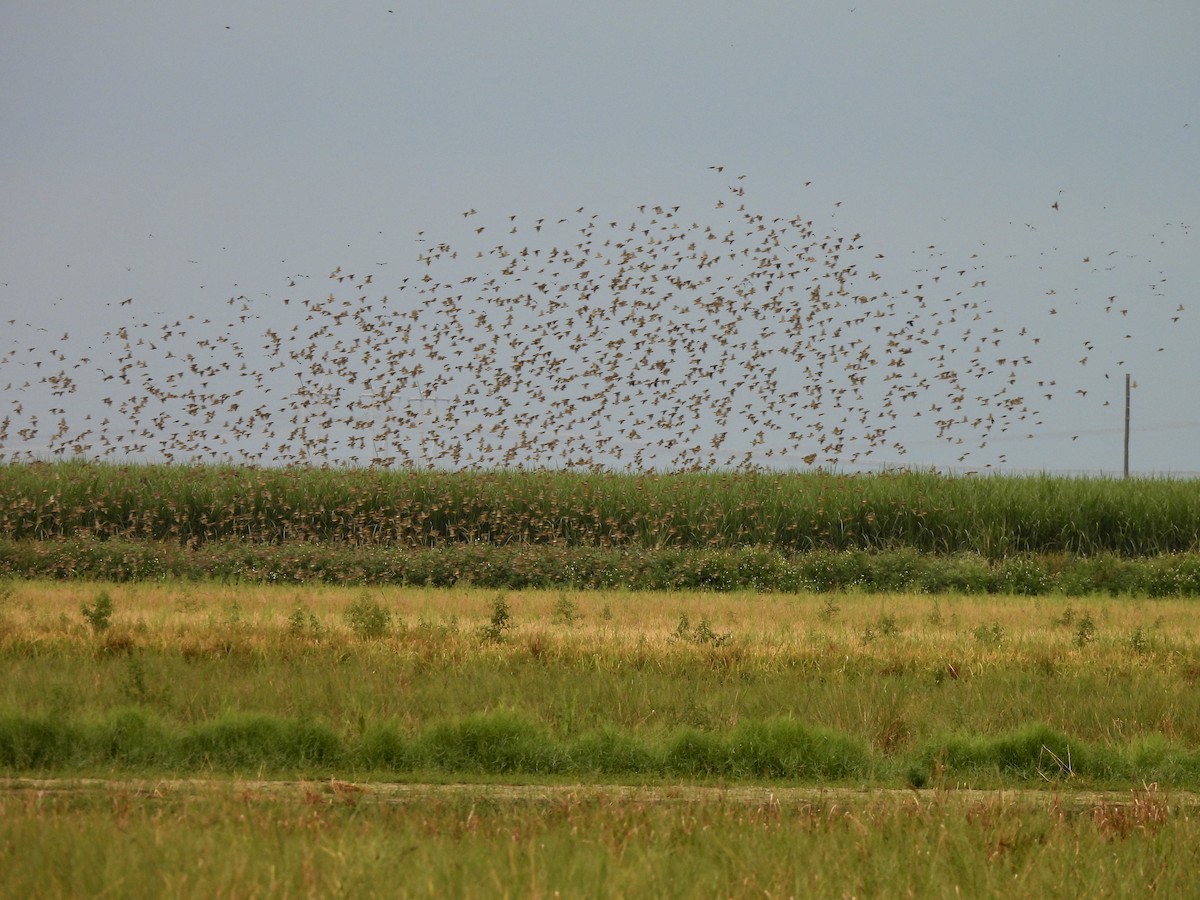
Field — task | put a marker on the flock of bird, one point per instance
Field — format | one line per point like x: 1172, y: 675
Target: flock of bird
x: 729, y: 339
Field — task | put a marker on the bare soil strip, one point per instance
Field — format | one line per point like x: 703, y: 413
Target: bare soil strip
x: 334, y: 791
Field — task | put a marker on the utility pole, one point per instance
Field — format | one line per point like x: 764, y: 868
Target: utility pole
x: 1126, y: 424
x: 426, y: 395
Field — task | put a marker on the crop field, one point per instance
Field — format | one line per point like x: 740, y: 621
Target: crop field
x: 248, y: 682
x: 991, y: 516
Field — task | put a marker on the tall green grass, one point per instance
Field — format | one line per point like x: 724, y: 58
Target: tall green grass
x: 993, y: 516
x: 339, y: 840
x: 503, y: 743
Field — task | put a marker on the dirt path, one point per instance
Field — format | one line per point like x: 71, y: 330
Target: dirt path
x: 334, y: 791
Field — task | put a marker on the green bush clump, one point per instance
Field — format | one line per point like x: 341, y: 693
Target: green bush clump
x: 383, y: 747
x: 897, y: 570
x: 500, y: 623
x: 1035, y: 753
x: 991, y: 635
x: 134, y: 737
x: 368, y: 618
x: 696, y: 754
x: 961, y: 573
x: 1085, y: 631
x: 702, y: 634
x: 243, y: 741
x: 822, y: 570
x: 610, y: 752
x: 566, y: 612
x: 28, y: 743
x: 784, y: 748
x: 99, y: 614
x: 498, y: 742
x: 1023, y: 575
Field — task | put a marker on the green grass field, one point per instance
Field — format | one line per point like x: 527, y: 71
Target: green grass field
x: 853, y: 689
x: 474, y: 743
x: 334, y: 838
x: 221, y: 681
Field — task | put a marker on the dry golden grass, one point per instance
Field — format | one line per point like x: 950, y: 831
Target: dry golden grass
x: 995, y: 628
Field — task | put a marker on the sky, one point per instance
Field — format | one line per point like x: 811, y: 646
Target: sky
x: 161, y: 160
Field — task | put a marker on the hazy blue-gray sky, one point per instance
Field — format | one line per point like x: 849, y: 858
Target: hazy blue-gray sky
x: 182, y: 154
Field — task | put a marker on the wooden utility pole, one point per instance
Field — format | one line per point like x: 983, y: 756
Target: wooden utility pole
x: 1126, y: 424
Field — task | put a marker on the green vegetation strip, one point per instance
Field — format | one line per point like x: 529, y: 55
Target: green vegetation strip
x: 991, y: 516
x: 504, y: 743
x: 331, y: 840
x: 853, y: 688
x: 523, y: 566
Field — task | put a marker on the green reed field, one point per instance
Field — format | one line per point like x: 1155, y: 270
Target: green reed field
x: 516, y: 530
x: 992, y: 516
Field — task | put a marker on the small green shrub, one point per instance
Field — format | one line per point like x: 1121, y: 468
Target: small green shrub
x: 1033, y: 752
x: 1023, y: 575
x: 368, y: 618
x: 302, y: 622
x: 683, y: 629
x: 992, y: 635
x: 887, y: 625
x: 829, y: 610
x: 784, y: 748
x: 137, y: 686
x: 704, y: 634
x: 1085, y: 632
x: 500, y: 622
x: 696, y: 754
x: 35, y: 743
x: 296, y: 621
x: 566, y: 612
x: 1067, y: 619
x: 1138, y: 641
x: 254, y: 741
x: 701, y: 634
x: 134, y: 737
x: 438, y: 630
x: 99, y: 614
